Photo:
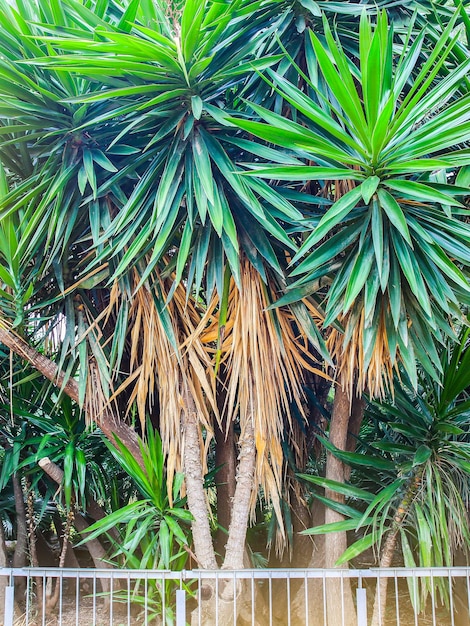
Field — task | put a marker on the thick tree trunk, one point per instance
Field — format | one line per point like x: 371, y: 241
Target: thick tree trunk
x: 197, y: 502
x: 20, y: 554
x: 235, y: 547
x: 340, y: 604
x: 110, y: 424
x: 225, y: 479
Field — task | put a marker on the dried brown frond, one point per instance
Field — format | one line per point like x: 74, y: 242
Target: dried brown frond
x: 354, y: 373
x: 157, y: 365
x: 264, y: 354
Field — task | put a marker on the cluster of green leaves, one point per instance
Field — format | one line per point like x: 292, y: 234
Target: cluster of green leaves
x: 412, y: 475
x: 36, y: 424
x: 153, y: 530
x: 395, y: 242
x: 326, y: 142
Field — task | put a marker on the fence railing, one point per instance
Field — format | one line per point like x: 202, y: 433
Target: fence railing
x: 278, y: 597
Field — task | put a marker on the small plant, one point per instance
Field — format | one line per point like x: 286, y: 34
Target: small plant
x: 153, y: 529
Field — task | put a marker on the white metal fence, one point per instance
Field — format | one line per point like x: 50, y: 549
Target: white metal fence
x: 280, y: 597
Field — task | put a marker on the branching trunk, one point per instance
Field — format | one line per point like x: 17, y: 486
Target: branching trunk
x: 110, y: 424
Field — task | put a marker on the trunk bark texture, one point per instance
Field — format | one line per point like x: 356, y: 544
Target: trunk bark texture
x: 338, y: 596
x: 226, y: 461
x: 241, y: 504
x: 110, y: 424
x: 197, y: 502
x: 19, y: 556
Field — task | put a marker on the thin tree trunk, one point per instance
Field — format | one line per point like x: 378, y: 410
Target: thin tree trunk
x: 52, y: 600
x: 110, y: 424
x: 390, y: 544
x: 33, y: 555
x: 340, y: 604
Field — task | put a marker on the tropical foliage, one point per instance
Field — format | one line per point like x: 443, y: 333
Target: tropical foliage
x: 205, y: 209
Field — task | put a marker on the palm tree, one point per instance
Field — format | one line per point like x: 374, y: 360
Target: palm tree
x: 153, y: 261
x: 164, y: 260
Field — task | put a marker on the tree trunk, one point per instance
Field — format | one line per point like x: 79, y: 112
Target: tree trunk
x: 19, y: 556
x: 21, y: 549
x: 339, y: 599
x: 225, y: 479
x: 235, y: 547
x: 110, y: 424
x: 197, y: 502
x: 33, y: 555
x: 388, y: 550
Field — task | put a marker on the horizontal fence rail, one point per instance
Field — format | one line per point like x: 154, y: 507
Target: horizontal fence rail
x: 260, y: 597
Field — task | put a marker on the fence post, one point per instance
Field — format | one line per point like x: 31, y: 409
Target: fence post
x: 180, y: 607
x: 9, y: 604
x: 361, y: 599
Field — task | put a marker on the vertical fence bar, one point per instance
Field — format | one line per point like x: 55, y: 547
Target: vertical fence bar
x: 111, y: 599
x: 94, y: 598
x: 9, y: 603
x: 361, y: 600
x: 234, y: 599
x: 61, y: 595
x: 397, y: 602
x: 288, y: 599
x: 451, y: 596
x: 146, y: 600
x: 306, y: 598
x: 77, y: 599
x: 28, y: 597
x: 43, y: 607
x: 252, y: 599
x: 433, y: 602
x: 199, y: 608
x: 270, y: 583
x: 415, y: 596
x: 216, y: 599
x: 468, y: 594
x: 343, y: 610
x: 180, y: 607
